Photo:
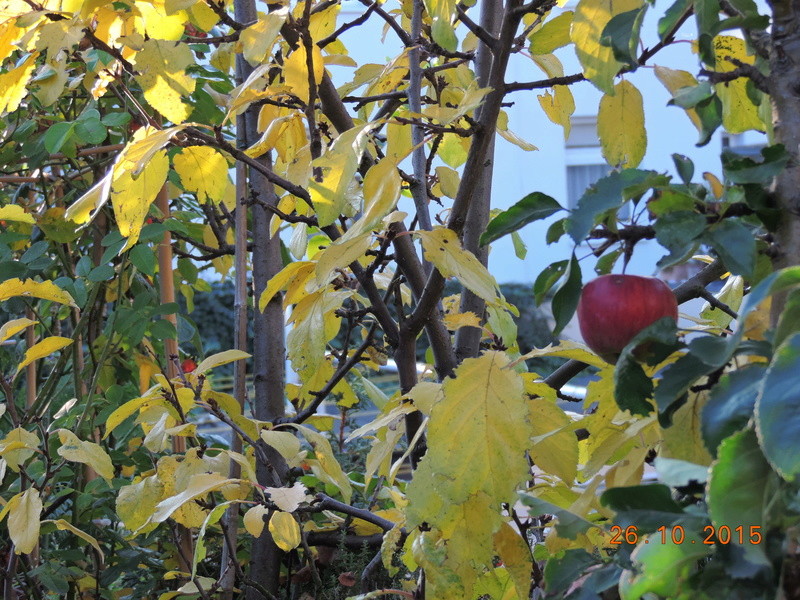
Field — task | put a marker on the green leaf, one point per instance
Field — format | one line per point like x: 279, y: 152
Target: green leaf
x: 777, y: 413
x: 569, y: 524
x: 677, y: 231
x: 565, y: 300
x: 561, y: 572
x: 684, y: 166
x: 690, y: 97
x: 707, y: 16
x: 533, y: 207
x: 547, y: 279
x: 101, y: 273
x: 58, y: 137
x: 520, y: 249
x: 647, y: 507
x: 672, y: 15
x: 710, y: 114
x: 735, y: 244
x: 553, y: 35
x: 621, y: 33
x: 608, y: 193
x: 116, y: 119
x: 606, y: 262
x: 741, y: 169
x: 731, y: 403
x: 675, y: 382
x: 90, y: 131
x: 739, y: 492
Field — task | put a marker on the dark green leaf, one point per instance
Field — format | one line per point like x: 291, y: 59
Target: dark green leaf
x: 710, y: 114
x: 735, y: 244
x: 730, y: 405
x: 143, y: 259
x: 608, y: 193
x: 101, y: 273
x: 565, y: 300
x: 739, y: 490
x: 533, y: 207
x: 685, y: 167
x: 621, y: 33
x: 707, y: 15
x: 162, y: 329
x: 556, y: 231
x: 778, y: 410
x: 560, y: 573
x: 606, y: 262
x: 569, y: 524
x: 547, y: 278
x: 690, y: 97
x: 12, y: 268
x: 116, y: 119
x: 113, y: 250
x: 679, y: 473
x: 676, y: 380
x: 58, y: 137
x: 643, y: 497
x: 789, y: 322
x: 90, y: 131
x: 711, y: 349
x: 672, y: 16
x: 35, y: 251
x: 741, y: 169
x: 677, y: 230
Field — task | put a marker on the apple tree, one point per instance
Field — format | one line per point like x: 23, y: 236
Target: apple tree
x: 148, y: 143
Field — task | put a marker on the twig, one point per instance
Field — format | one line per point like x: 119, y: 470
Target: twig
x: 483, y: 35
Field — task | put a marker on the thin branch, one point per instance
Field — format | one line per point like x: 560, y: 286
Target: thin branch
x: 346, y: 26
x: 742, y: 70
x: 483, y: 35
x: 404, y: 37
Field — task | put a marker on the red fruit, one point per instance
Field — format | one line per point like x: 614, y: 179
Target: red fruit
x: 614, y: 308
x: 188, y: 365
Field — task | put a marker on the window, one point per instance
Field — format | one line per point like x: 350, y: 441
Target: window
x: 744, y: 144
x: 585, y: 163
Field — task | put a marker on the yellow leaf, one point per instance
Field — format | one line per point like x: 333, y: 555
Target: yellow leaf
x: 85, y: 207
x: 146, y: 143
x: 591, y: 17
x: 285, y: 531
x: 281, y: 280
x: 331, y: 470
x: 738, y: 111
x: 288, y: 498
x: 443, y: 248
x: 455, y: 321
x: 295, y: 70
x: 550, y: 64
x: 675, y: 79
x: 559, y: 107
x: 516, y: 557
x: 44, y: 290
x: 344, y: 251
x: 556, y: 453
x: 553, y: 35
x: 63, y: 525
x: 254, y: 520
x: 717, y: 189
x: 381, y: 190
x: 683, y: 440
x: 18, y: 446
x: 620, y: 125
x: 315, y: 324
x: 162, y: 74
x: 203, y: 170
x: 449, y: 180
x: 199, y: 485
x: 126, y: 410
x: 731, y: 294
x: 24, y: 512
x: 89, y: 453
x: 257, y: 40
x: 219, y: 359
x: 132, y: 198
x: 14, y: 212
x: 286, y: 444
x: 136, y: 502
x: 158, y: 23
x: 14, y: 84
x: 13, y: 327
x: 44, y: 348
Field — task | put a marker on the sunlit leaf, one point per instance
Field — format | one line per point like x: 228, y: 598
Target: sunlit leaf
x: 44, y: 348
x: 285, y: 531
x: 163, y: 77
x: 89, y: 453
x: 44, y: 290
x: 620, y: 125
x: 204, y: 171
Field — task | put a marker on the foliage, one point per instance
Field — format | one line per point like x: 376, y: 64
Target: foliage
x: 147, y: 143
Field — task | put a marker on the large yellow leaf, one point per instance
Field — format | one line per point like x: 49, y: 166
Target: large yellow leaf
x: 344, y: 251
x: 286, y: 444
x: 132, y: 198
x: 559, y: 107
x: 257, y: 39
x: 285, y: 531
x: 63, y: 525
x: 282, y: 279
x: 24, y: 512
x: 44, y: 290
x: 295, y: 70
x: 684, y: 439
x: 516, y: 556
x: 443, y: 248
x: 254, y: 520
x: 557, y: 453
x: 675, y: 79
x: 162, y: 74
x: 620, y: 125
x: 85, y: 207
x: 199, y: 485
x: 204, y: 171
x: 14, y: 212
x: 591, y: 17
x: 738, y: 111
x: 44, y: 348
x: 89, y: 453
x: 13, y: 327
x: 288, y: 498
x: 315, y: 323
x: 18, y: 446
x: 136, y: 502
x: 381, y: 190
x: 553, y: 35
x: 13, y: 85
x: 331, y: 470
x: 146, y: 142
x: 159, y: 23
x: 219, y: 359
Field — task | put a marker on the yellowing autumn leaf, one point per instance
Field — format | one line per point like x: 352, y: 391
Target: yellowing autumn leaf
x: 13, y: 327
x: 739, y: 114
x: 18, y: 446
x: 204, y: 171
x: 675, y: 79
x: 591, y: 17
x: 63, y: 525
x: 620, y: 125
x: 219, y: 359
x: 455, y: 321
x: 381, y: 190
x: 443, y: 248
x: 199, y: 485
x: 159, y: 23
x: 14, y: 84
x: 516, y: 556
x: 14, y: 212
x: 555, y: 447
x: 288, y: 498
x: 315, y: 324
x: 88, y: 453
x: 553, y: 35
x: 136, y: 502
x: 44, y: 290
x: 24, y: 512
x: 279, y: 281
x: 254, y: 520
x: 285, y: 531
x: 132, y: 198
x: 295, y: 70
x: 257, y: 40
x: 44, y: 348
x: 559, y: 107
x: 85, y: 207
x: 162, y: 74
x: 331, y: 470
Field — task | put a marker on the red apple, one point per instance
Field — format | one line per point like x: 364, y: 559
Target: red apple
x: 614, y: 308
x: 188, y: 365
